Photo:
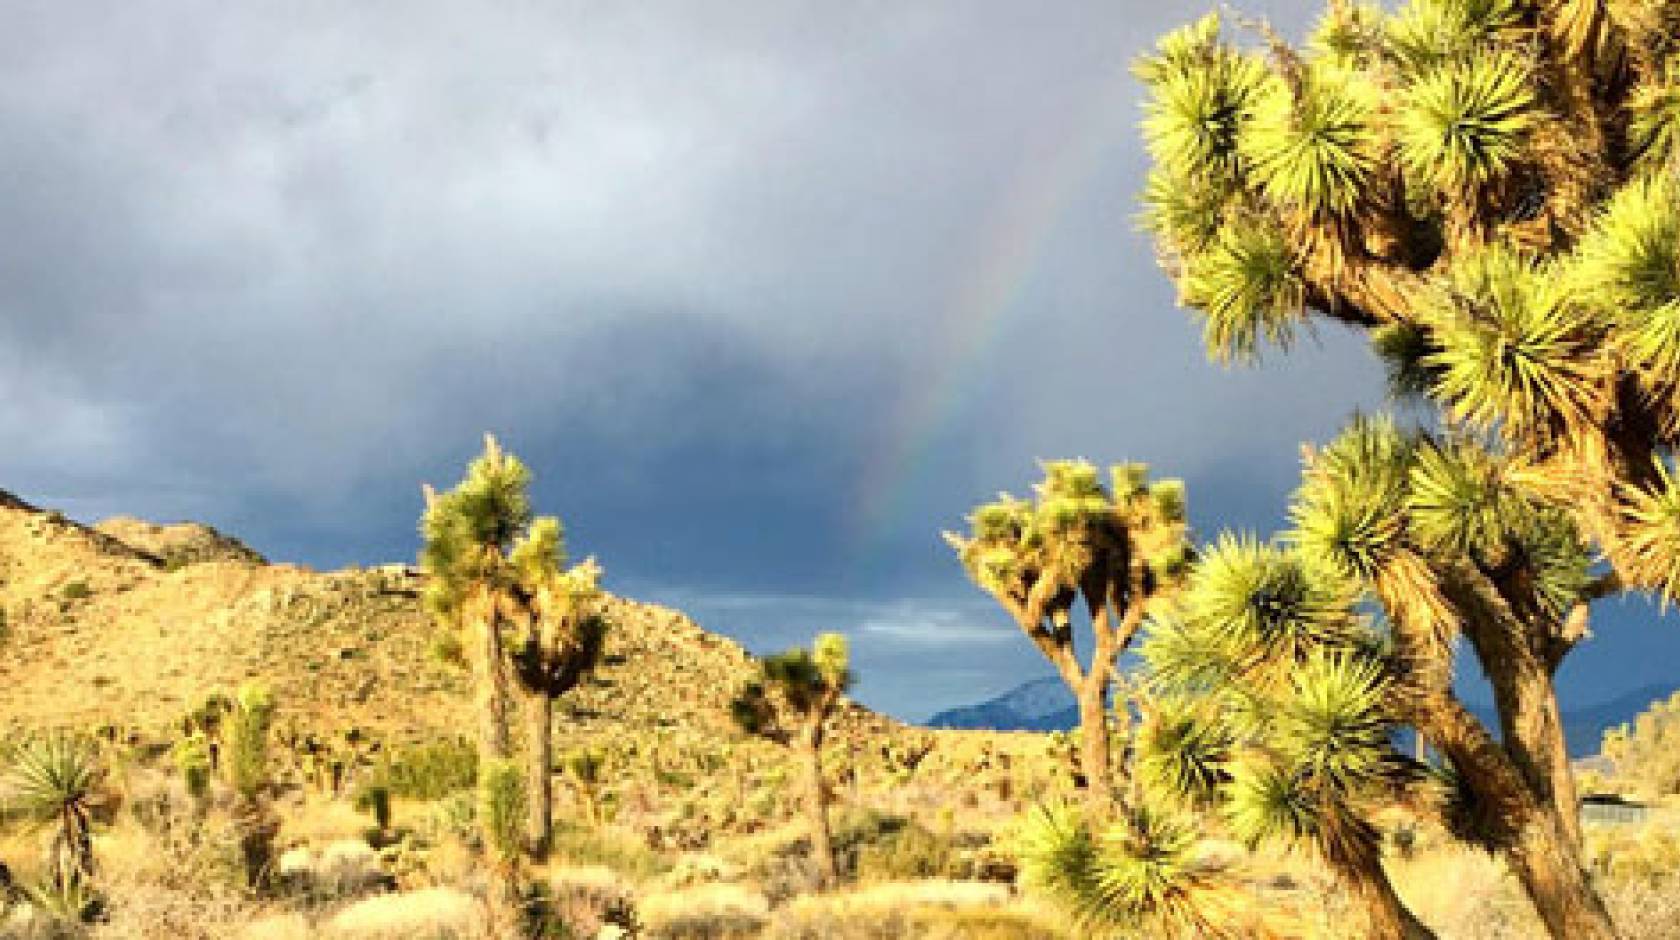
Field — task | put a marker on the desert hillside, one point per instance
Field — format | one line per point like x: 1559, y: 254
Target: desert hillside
x: 130, y: 622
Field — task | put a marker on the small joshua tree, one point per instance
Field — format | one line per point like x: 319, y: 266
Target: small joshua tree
x: 585, y: 770
x: 790, y: 703
x: 1118, y: 550
x: 563, y: 641
x: 247, y: 764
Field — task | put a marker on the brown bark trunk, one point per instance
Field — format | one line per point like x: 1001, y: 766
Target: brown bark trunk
x: 1513, y: 652
x: 539, y: 823
x: 1549, y: 866
x: 1093, y: 741
x: 1359, y: 867
x: 493, y: 736
x: 1540, y: 852
x: 822, y: 841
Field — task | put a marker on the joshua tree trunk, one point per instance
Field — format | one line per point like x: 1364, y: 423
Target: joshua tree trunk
x: 816, y: 802
x: 1092, y: 693
x: 1532, y: 726
x: 1358, y: 865
x: 493, y: 684
x: 1541, y: 853
x: 1549, y: 866
x: 539, y: 823
x: 1520, y: 655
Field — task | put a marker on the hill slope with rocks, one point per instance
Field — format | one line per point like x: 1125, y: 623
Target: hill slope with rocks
x: 131, y: 622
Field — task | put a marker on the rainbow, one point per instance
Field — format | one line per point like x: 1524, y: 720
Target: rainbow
x: 1021, y: 224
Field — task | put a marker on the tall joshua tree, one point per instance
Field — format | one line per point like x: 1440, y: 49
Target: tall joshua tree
x: 468, y: 534
x: 790, y: 702
x: 564, y: 635
x: 1488, y: 190
x: 1116, y: 549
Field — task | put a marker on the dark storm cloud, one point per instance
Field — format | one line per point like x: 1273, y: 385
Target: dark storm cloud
x: 272, y: 266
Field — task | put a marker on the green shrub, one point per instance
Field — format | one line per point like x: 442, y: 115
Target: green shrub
x: 430, y: 771
x: 501, y: 807
x: 76, y: 590
x: 619, y: 850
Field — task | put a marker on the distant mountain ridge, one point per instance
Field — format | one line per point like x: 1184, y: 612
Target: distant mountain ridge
x: 1039, y: 705
x: 1045, y: 704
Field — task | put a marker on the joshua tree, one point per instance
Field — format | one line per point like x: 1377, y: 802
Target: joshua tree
x: 1488, y: 190
x: 562, y: 644
x: 468, y: 534
x: 1117, y: 550
x: 246, y: 729
x: 54, y: 781
x: 790, y: 703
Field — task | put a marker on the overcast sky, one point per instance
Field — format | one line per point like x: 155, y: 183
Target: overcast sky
x: 767, y: 293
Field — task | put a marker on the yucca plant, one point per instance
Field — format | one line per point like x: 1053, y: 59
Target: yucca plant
x: 1119, y: 546
x: 53, y: 781
x: 790, y: 702
x: 1486, y: 188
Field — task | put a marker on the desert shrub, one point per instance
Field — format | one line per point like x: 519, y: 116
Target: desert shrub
x: 1649, y: 853
x: 910, y: 851
x: 430, y: 914
x: 430, y: 771
x: 76, y: 590
x: 583, y: 908
x: 708, y: 912
x: 1646, y: 751
x: 614, y: 848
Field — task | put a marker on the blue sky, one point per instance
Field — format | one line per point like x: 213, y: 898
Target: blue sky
x: 768, y: 294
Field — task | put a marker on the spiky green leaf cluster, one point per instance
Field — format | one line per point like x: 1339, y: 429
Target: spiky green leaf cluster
x: 468, y: 531
x: 1463, y: 126
x: 46, y: 775
x: 1248, y: 288
x: 1347, y: 514
x: 1267, y: 602
x: 1183, y: 749
x: 1425, y: 34
x: 1628, y: 268
x: 1650, y: 552
x: 1514, y: 352
x: 1201, y: 93
x: 1654, y: 131
x: 1142, y: 872
x: 1348, y: 34
x: 1313, y: 142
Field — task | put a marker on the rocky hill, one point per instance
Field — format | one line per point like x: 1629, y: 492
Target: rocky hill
x: 131, y: 622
